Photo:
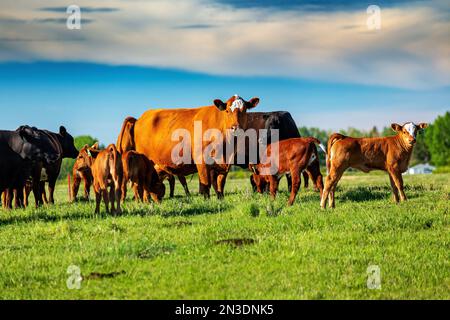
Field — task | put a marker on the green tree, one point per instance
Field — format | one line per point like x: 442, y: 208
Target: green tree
x: 437, y: 139
x: 67, y: 164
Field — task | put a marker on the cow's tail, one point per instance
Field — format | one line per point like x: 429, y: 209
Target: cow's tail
x: 331, y: 141
x: 125, y: 141
x: 116, y: 163
x: 315, y: 155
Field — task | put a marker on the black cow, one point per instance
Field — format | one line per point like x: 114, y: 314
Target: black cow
x: 20, y: 150
x: 63, y: 146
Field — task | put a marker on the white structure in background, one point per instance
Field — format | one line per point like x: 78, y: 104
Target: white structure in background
x: 425, y: 168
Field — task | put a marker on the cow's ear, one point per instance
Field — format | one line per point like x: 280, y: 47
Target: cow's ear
x: 220, y: 105
x: 396, y: 127
x: 95, y: 146
x: 423, y: 125
x: 62, y: 131
x: 93, y: 152
x: 252, y: 103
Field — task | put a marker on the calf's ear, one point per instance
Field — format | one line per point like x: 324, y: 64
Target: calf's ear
x: 252, y: 103
x: 396, y: 127
x: 95, y: 146
x: 220, y: 105
x: 423, y: 125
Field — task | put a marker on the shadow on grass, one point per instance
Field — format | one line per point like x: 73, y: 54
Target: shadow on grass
x: 366, y: 193
x: 66, y: 212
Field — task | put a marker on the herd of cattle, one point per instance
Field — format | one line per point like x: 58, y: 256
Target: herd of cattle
x: 143, y: 156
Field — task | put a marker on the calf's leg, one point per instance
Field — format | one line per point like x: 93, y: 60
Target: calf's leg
x: 185, y: 185
x: 75, y: 187
x: 171, y: 179
x: 273, y: 182
x: 398, y: 181
x: 394, y: 189
x: 331, y: 182
x: 296, y: 182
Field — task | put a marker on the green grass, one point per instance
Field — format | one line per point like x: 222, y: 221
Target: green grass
x: 244, y: 247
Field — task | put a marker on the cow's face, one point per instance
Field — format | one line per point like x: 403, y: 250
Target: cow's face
x: 67, y: 143
x: 408, y: 132
x: 235, y: 112
x: 86, y: 157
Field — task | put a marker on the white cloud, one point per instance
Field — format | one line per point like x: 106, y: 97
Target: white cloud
x: 411, y: 50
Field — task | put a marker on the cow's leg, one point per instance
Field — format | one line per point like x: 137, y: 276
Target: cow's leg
x: 394, y: 188
x: 204, y: 179
x: 289, y: 181
x: 218, y: 181
x: 87, y: 188
x: 98, y: 200
x: 296, y: 182
x: 9, y: 198
x: 118, y: 194
x: 14, y: 193
x: 37, y: 193
x: 306, y: 178
x: 51, y: 189
x: 26, y: 194
x: 398, y: 180
x: 221, y: 181
x: 124, y: 189
x: 185, y: 185
x: 273, y: 182
x: 330, y: 183
x: 106, y: 198
x: 76, y: 186
x: 140, y: 191
x: 171, y: 179
x: 213, y: 176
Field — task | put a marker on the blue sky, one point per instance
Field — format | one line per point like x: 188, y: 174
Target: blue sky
x: 312, y: 58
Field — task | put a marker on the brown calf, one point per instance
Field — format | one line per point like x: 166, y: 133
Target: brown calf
x: 107, y: 171
x: 294, y: 156
x: 81, y: 173
x: 391, y: 154
x: 141, y: 172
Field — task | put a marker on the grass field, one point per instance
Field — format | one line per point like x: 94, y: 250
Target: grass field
x: 244, y: 247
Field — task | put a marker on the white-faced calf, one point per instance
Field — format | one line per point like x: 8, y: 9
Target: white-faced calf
x: 391, y: 154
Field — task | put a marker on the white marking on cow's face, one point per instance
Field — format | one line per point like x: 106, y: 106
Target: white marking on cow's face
x: 411, y: 128
x: 238, y: 103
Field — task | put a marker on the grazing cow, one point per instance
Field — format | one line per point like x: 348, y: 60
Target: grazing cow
x: 106, y: 167
x: 141, y: 172
x: 63, y: 146
x: 81, y: 173
x: 153, y: 136
x: 391, y: 154
x: 294, y: 156
x: 20, y: 150
x: 125, y: 142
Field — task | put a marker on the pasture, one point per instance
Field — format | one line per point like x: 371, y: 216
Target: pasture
x: 244, y: 247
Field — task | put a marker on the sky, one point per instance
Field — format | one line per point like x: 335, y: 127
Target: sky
x: 317, y: 59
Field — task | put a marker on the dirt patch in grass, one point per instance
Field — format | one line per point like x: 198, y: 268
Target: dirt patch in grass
x: 100, y: 276
x: 237, y: 243
x: 178, y: 224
